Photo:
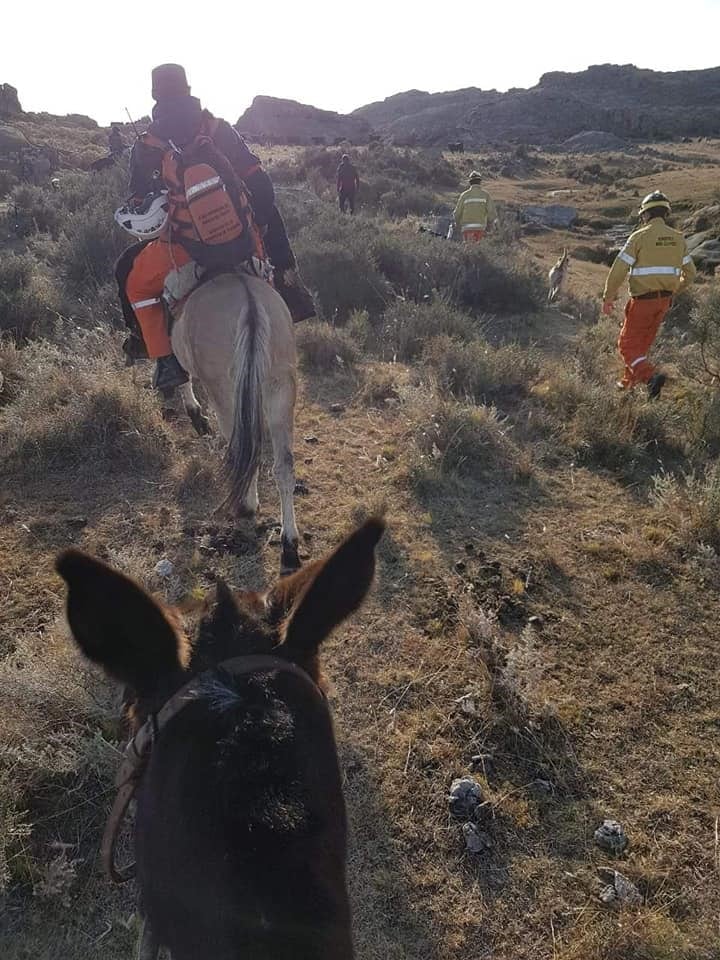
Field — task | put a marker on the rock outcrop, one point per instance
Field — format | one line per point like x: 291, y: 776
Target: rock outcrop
x: 9, y: 101
x: 621, y: 100
x: 287, y: 121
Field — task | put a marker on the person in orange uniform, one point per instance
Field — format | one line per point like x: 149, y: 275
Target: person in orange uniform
x: 659, y: 265
x: 178, y: 118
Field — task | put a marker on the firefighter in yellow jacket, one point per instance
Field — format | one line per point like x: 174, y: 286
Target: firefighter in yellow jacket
x: 656, y: 258
x: 474, y: 211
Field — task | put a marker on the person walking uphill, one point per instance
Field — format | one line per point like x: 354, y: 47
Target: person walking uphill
x: 348, y: 183
x: 183, y: 138
x: 474, y: 211
x: 656, y: 258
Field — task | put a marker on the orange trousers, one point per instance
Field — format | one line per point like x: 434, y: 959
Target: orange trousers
x: 472, y: 236
x: 642, y: 322
x: 145, y: 284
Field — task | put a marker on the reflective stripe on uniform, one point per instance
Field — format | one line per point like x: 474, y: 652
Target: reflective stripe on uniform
x: 474, y: 226
x: 687, y: 259
x: 139, y: 304
x: 655, y: 271
x: 475, y: 200
x: 203, y: 185
x: 636, y: 362
x: 626, y: 258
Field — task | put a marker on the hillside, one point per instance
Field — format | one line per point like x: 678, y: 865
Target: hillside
x: 623, y: 100
x: 545, y: 613
x: 270, y: 119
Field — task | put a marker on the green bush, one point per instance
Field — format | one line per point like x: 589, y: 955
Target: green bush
x: 477, y: 371
x: 343, y: 276
x: 35, y: 210
x: 405, y: 199
x: 324, y: 347
x: 407, y: 327
x: 28, y: 300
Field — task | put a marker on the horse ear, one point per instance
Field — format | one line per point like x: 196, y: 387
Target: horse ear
x: 329, y: 591
x: 117, y: 624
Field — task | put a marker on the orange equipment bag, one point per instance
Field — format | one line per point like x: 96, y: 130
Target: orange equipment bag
x: 217, y: 206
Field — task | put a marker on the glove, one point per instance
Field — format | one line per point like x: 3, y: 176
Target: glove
x: 608, y: 307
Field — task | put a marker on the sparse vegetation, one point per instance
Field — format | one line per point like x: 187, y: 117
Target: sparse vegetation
x: 545, y: 594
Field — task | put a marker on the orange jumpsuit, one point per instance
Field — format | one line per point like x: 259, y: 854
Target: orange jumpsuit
x: 658, y: 264
x: 144, y: 287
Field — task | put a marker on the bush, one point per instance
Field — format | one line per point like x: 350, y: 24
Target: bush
x: 35, y: 210
x: 463, y: 440
x: 405, y: 199
x: 28, y: 300
x: 477, y: 371
x: 343, y: 276
x: 67, y: 414
x: 324, y: 347
x: 692, y: 504
x: 379, y: 386
x: 407, y: 327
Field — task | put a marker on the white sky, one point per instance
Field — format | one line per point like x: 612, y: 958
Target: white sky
x: 75, y: 56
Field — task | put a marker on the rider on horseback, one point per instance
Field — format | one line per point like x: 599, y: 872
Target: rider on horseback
x: 179, y: 122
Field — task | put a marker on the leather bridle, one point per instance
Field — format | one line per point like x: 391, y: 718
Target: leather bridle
x: 137, y: 752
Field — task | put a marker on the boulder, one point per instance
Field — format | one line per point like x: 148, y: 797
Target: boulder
x: 9, y: 102
x: 594, y: 141
x: 555, y: 215
x: 287, y: 121
x: 707, y: 255
x: 11, y: 140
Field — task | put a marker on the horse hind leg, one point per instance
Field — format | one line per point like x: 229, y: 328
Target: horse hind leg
x: 193, y: 409
x: 280, y: 409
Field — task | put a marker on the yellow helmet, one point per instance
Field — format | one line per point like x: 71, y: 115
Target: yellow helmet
x: 655, y: 199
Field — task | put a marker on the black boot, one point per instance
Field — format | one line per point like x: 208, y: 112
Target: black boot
x: 655, y: 385
x: 169, y: 374
x: 295, y: 294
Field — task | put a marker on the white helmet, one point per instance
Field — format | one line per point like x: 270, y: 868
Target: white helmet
x: 147, y: 220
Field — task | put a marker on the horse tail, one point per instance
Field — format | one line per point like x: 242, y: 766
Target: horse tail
x: 251, y: 361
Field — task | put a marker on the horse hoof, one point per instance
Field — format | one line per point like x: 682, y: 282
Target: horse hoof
x: 290, y: 559
x: 200, y: 422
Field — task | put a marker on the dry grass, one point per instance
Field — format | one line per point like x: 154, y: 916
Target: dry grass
x: 544, y: 621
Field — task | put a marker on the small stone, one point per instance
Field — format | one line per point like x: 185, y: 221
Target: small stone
x: 536, y: 622
x: 337, y: 408
x: 476, y: 841
x: 77, y: 523
x: 468, y: 705
x: 465, y: 797
x: 301, y: 488
x: 620, y: 890
x: 311, y: 439
x: 460, y: 566
x: 164, y: 568
x: 482, y: 761
x: 611, y: 837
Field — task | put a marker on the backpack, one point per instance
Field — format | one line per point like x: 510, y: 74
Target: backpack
x: 218, y: 230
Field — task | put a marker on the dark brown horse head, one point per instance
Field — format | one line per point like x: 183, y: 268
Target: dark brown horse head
x: 240, y: 823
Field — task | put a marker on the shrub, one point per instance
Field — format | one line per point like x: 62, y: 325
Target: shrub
x: 28, y: 300
x: 462, y: 439
x: 34, y: 210
x: 67, y: 414
x: 478, y: 371
x: 379, y: 385
x: 407, y: 327
x: 405, y: 199
x: 692, y: 504
x: 324, y: 347
x: 343, y: 276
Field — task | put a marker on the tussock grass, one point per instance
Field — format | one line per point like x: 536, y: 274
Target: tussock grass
x: 323, y: 347
x: 476, y: 370
x: 69, y: 415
